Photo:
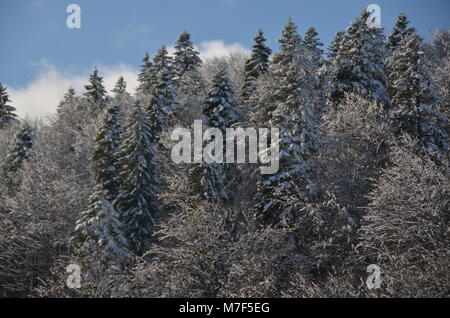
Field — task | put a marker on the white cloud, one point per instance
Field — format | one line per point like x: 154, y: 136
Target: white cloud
x: 217, y: 48
x: 42, y: 96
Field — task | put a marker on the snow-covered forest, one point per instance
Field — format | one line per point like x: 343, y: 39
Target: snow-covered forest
x: 364, y: 175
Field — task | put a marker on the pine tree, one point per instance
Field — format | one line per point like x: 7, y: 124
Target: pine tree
x: 146, y: 76
x: 413, y: 97
x: 162, y: 61
x: 212, y: 180
x: 17, y: 155
x: 290, y: 43
x: 400, y: 31
x: 107, y: 144
x: 294, y: 114
x: 186, y: 56
x: 95, y: 93
x: 359, y: 65
x: 7, y: 112
x: 137, y: 202
x: 312, y: 44
x: 99, y: 237
x: 335, y: 45
x: 257, y: 64
x: 219, y: 109
x: 121, y: 87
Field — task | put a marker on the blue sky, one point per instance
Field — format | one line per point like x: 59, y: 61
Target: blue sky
x: 37, y: 45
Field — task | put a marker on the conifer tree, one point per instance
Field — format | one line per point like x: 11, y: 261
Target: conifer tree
x: 279, y: 195
x: 137, y: 202
x: 107, y: 144
x: 413, y: 97
x: 7, y: 112
x: 99, y: 238
x: 163, y: 101
x: 121, y: 87
x: 219, y: 109
x: 257, y: 64
x: 22, y: 146
x: 360, y: 63
x: 213, y: 180
x: 312, y: 45
x: 400, y: 31
x: 162, y: 61
x: 146, y: 75
x: 95, y: 93
x: 187, y: 58
x: 335, y: 45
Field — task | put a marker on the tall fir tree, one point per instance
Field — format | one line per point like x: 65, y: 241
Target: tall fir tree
x: 312, y: 45
x: 280, y: 194
x: 121, y: 87
x: 187, y: 58
x: 413, y: 97
x: 256, y: 65
x: 95, y: 93
x: 22, y: 146
x: 99, y: 238
x: 163, y: 101
x: 137, y: 201
x: 400, y: 31
x: 107, y: 144
x: 212, y: 180
x: 7, y: 112
x: 360, y: 63
x: 335, y: 45
x: 146, y: 76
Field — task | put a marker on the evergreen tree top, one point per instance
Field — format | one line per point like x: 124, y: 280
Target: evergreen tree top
x: 400, y: 31
x: 186, y: 56
x: 290, y: 40
x: 121, y: 86
x: 7, y: 112
x: 311, y: 38
x: 162, y: 59
x: 219, y: 109
x: 95, y: 91
x: 336, y: 44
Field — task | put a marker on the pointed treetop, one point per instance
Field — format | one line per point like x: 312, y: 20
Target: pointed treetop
x: 400, y: 31
x: 186, y: 56
x: 121, y: 87
x: 7, y: 112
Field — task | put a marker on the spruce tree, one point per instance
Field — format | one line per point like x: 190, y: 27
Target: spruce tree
x: 162, y: 61
x: 99, y: 238
x: 290, y: 44
x: 121, y: 87
x: 219, y: 109
x: 146, y: 76
x: 137, y: 202
x: 212, y: 180
x: 107, y: 144
x: 187, y: 58
x: 163, y: 101
x: 95, y: 93
x: 360, y: 63
x: 22, y: 146
x: 257, y: 64
x: 280, y: 194
x: 335, y: 45
x: 312, y: 45
x: 400, y: 31
x: 7, y: 112
x: 413, y: 98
